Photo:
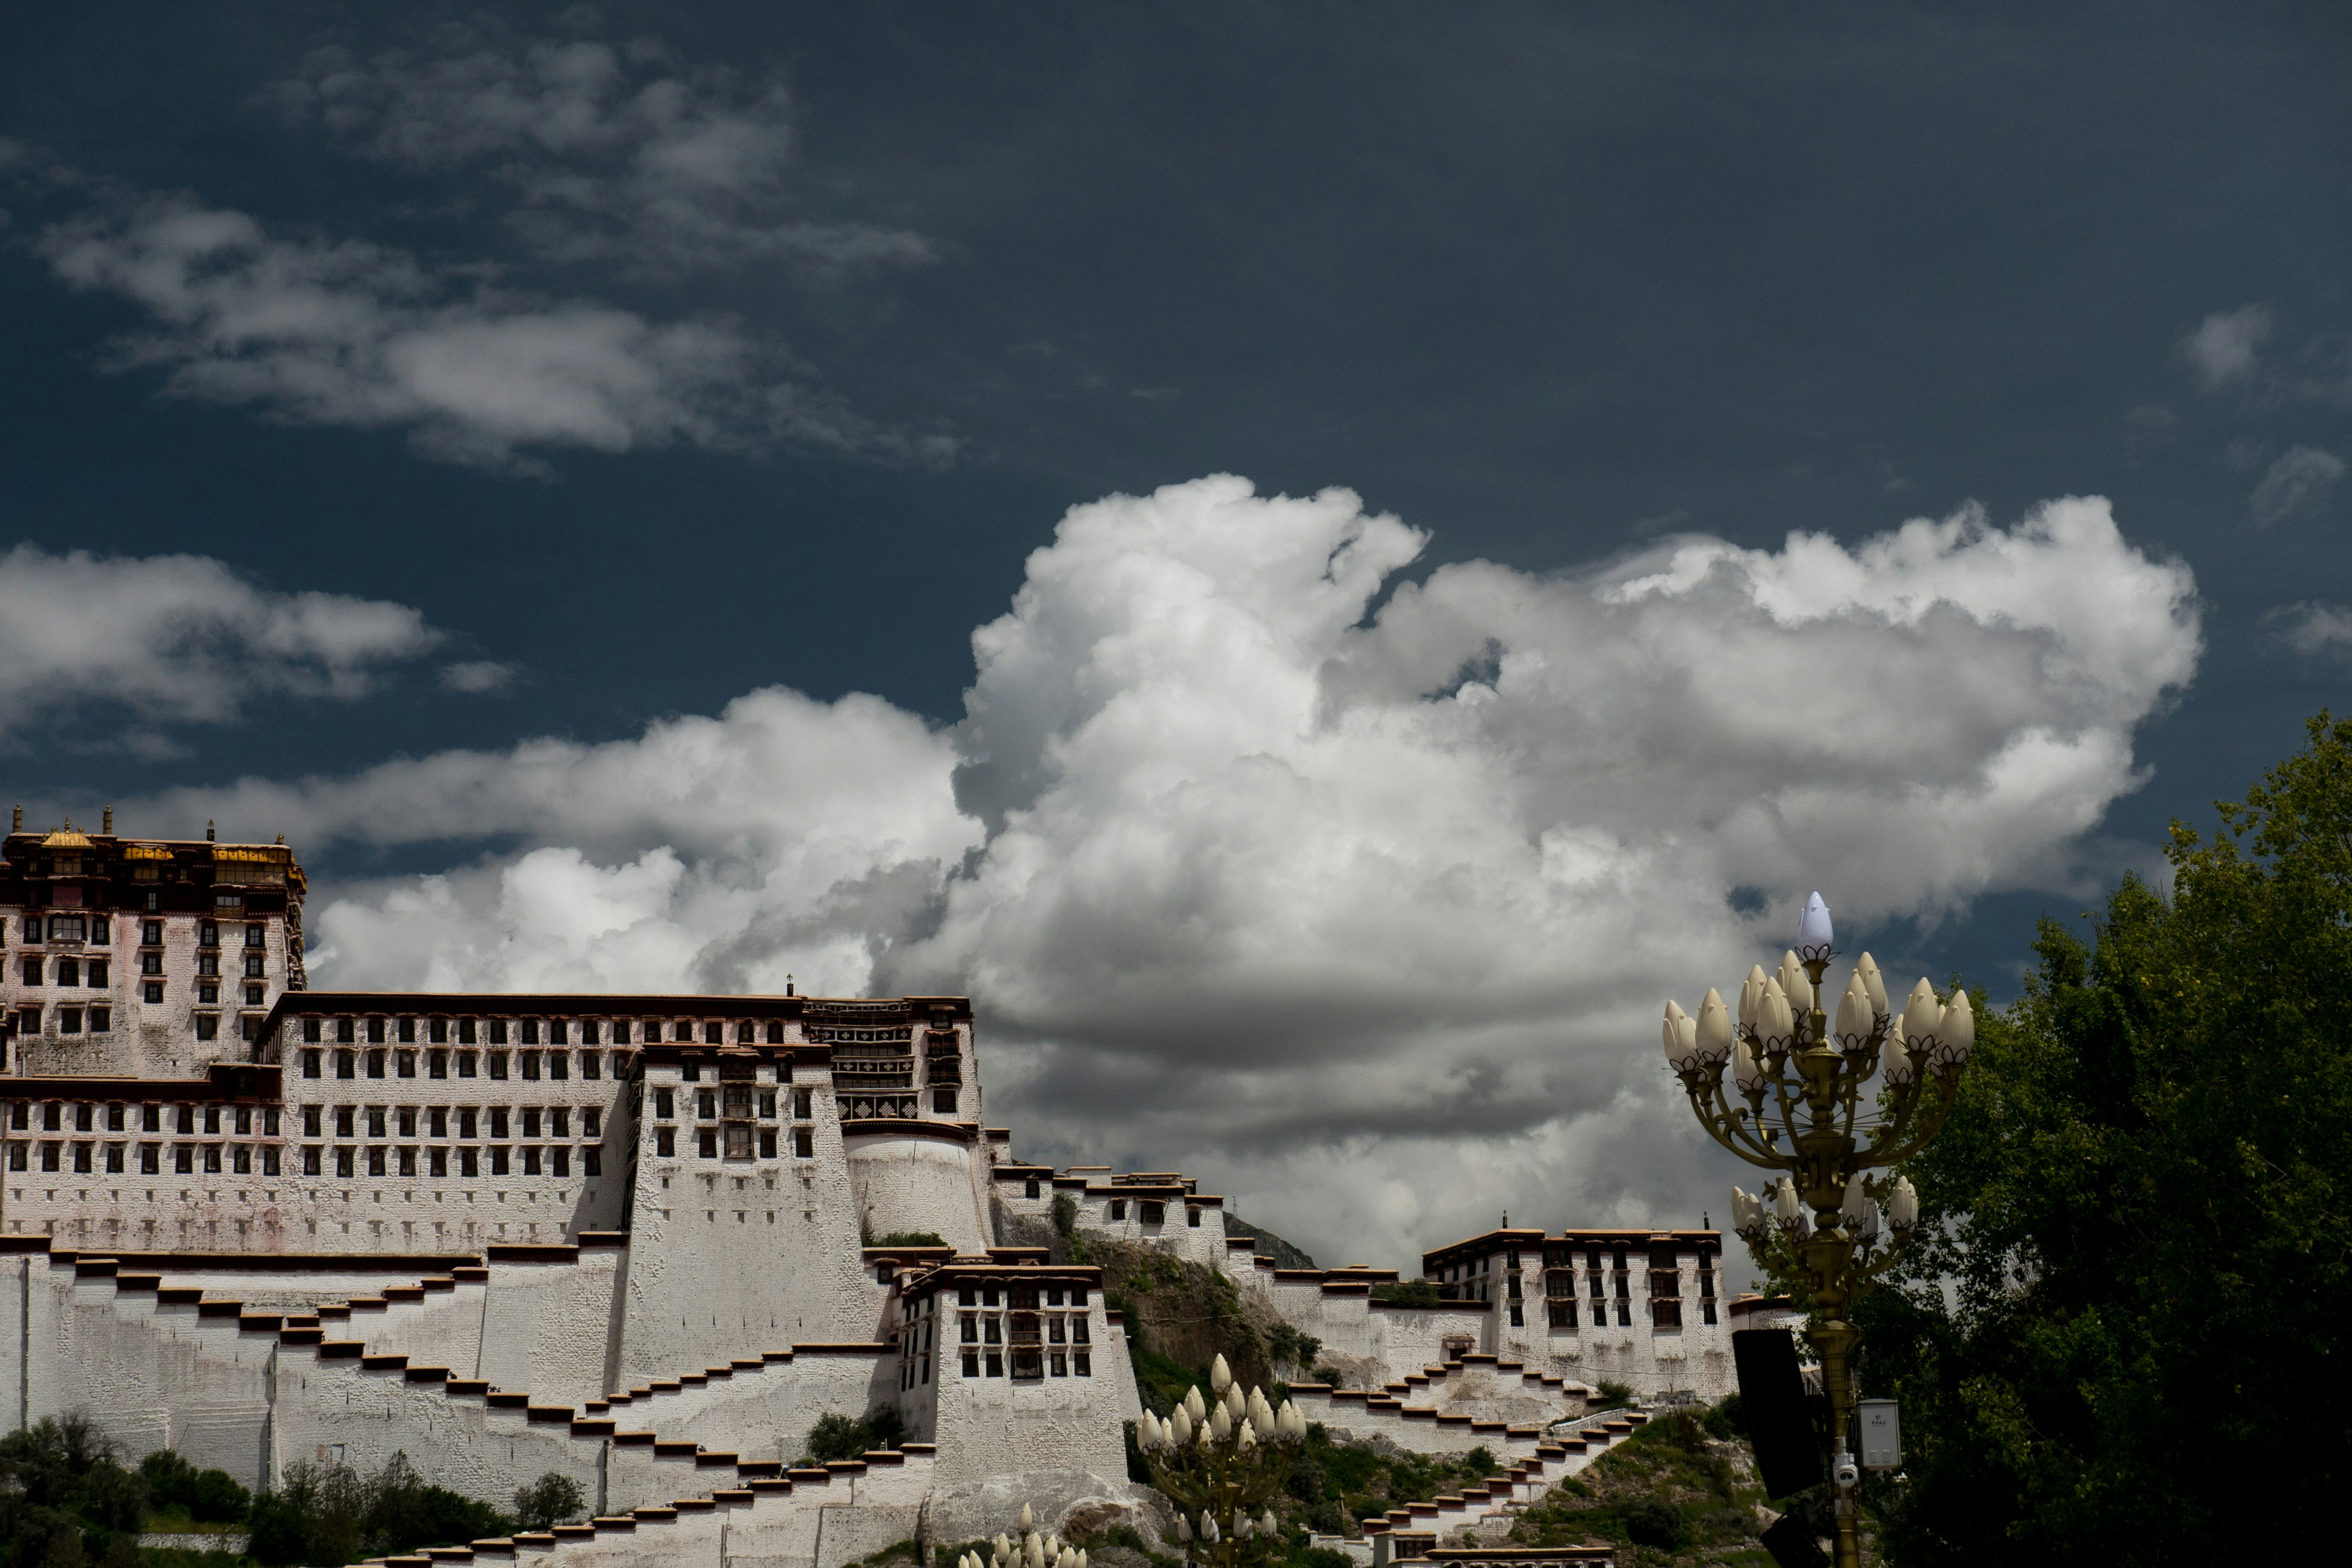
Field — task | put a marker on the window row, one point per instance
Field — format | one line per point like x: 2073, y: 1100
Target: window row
x: 436, y: 1121
x: 71, y: 1020
x: 54, y: 1114
x: 738, y: 1142
x: 736, y: 1100
x: 65, y: 973
x: 95, y: 1020
x: 498, y: 1160
x: 1560, y: 1283
x: 1028, y: 1363
x: 1664, y: 1312
x: 98, y: 931
x: 186, y: 1158
x: 243, y: 1159
x: 95, y: 929
x: 528, y: 1031
x: 1021, y: 1328
x: 530, y: 1066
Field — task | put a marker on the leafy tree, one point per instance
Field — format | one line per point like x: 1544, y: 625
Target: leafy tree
x: 331, y: 1514
x: 554, y: 1498
x: 65, y: 1497
x: 211, y: 1496
x: 2142, y: 1206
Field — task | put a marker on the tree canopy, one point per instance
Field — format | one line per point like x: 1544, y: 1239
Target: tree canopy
x: 2119, y: 1338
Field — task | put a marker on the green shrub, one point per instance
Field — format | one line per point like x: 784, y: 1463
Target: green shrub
x: 1291, y: 1348
x: 1650, y: 1522
x: 1727, y: 1420
x: 1608, y: 1394
x: 554, y: 1498
x: 836, y: 1437
x: 910, y: 1238
x: 1408, y: 1293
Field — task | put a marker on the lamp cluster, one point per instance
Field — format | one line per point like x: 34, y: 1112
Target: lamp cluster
x: 1242, y: 1420
x: 1793, y: 1103
x: 1031, y: 1551
x: 1220, y: 1459
x: 1754, y: 1218
x: 1811, y: 1066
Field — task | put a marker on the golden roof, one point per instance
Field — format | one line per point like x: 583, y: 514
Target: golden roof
x: 65, y: 838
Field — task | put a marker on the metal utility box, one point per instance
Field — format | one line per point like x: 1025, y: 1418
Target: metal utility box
x: 1881, y: 1434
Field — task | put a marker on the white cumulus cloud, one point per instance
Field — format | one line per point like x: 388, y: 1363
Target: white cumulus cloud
x: 1364, y: 915
x: 180, y: 639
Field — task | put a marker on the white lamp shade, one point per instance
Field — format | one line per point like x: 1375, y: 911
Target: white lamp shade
x: 1898, y: 1069
x: 1921, y: 1016
x: 1714, y: 1033
x: 1681, y: 1053
x: 1751, y: 996
x: 1775, y: 1020
x: 1855, y: 1020
x: 1865, y: 969
x: 1857, y: 1200
x: 1813, y: 926
x: 1958, y: 1036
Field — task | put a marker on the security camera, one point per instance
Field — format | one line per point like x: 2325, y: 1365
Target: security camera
x: 1847, y: 1472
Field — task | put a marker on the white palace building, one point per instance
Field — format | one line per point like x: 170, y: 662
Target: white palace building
x: 633, y: 1239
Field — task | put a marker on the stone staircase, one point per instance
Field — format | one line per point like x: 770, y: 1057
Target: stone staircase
x: 1407, y: 1412
x: 459, y: 1432
x: 1489, y: 1509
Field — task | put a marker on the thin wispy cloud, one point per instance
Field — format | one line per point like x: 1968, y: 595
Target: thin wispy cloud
x: 2227, y: 345
x: 626, y: 155
x: 317, y: 331
x: 2299, y: 479
x: 2312, y: 629
x: 479, y: 676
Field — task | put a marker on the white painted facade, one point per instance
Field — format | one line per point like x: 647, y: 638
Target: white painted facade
x: 646, y: 1242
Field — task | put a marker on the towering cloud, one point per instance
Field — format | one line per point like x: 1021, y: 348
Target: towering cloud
x: 1362, y: 908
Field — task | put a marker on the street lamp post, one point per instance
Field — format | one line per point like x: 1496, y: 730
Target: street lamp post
x: 1794, y: 1104
x: 1217, y: 1459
